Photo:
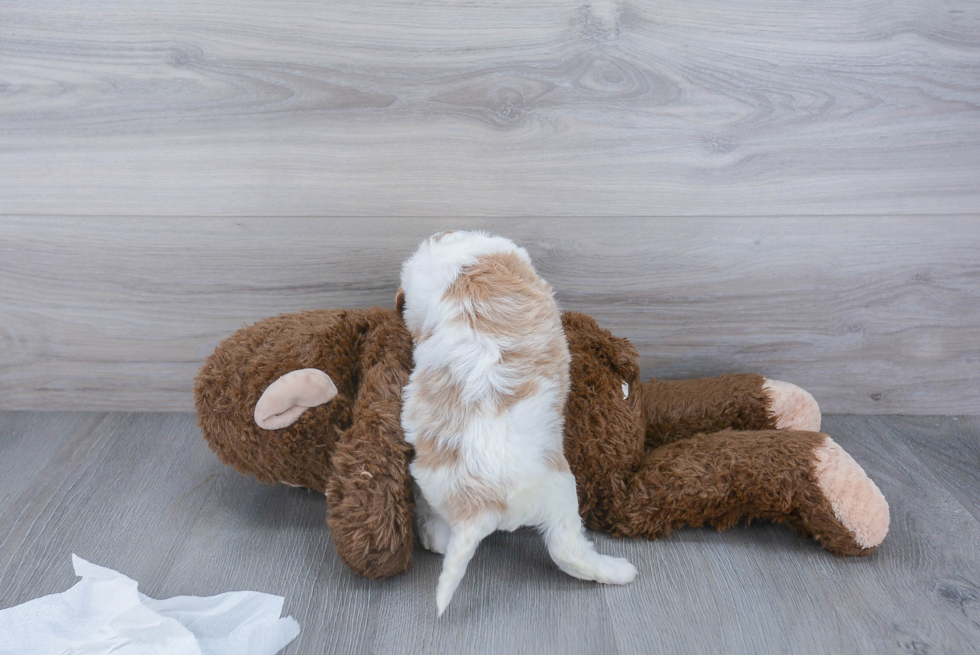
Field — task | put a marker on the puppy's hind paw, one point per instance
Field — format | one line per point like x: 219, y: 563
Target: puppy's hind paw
x: 433, y: 533
x: 614, y: 570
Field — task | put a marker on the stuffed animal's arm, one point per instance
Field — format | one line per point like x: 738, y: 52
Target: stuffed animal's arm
x: 369, y: 492
x: 676, y: 409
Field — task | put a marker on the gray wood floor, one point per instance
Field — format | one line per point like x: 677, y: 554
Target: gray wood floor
x: 141, y: 493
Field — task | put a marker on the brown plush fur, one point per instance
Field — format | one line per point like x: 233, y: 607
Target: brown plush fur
x: 351, y: 448
x: 729, y: 477
x: 647, y: 465
x: 678, y: 409
x: 673, y: 454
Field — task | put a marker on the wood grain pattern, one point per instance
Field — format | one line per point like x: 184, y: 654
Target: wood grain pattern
x: 948, y: 445
x: 29, y: 442
x: 873, y: 315
x: 498, y: 108
x: 124, y: 488
x: 141, y: 493
x: 923, y: 594
x: 741, y: 591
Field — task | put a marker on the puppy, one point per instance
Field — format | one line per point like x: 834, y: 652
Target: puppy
x: 485, y: 405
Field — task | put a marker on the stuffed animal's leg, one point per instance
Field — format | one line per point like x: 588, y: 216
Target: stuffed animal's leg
x: 369, y: 493
x: 725, y: 478
x: 677, y: 409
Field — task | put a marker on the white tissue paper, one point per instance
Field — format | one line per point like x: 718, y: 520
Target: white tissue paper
x: 105, y: 613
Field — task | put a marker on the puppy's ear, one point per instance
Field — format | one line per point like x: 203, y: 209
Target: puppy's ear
x: 400, y: 302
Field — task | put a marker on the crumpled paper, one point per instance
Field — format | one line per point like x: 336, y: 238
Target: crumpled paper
x: 105, y: 613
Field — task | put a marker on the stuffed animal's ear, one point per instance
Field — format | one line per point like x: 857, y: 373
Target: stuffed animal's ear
x: 624, y: 360
x: 400, y: 302
x: 287, y: 398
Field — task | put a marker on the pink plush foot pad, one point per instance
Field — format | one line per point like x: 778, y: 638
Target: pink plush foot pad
x: 792, y: 406
x: 857, y: 502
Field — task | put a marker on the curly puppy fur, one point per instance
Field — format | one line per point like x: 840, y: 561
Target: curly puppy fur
x: 484, y: 407
x: 669, y: 454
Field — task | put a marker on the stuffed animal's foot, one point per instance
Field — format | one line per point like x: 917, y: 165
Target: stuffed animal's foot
x: 860, y: 512
x: 855, y: 498
x: 793, y: 407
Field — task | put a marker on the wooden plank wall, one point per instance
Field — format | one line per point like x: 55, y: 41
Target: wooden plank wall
x: 495, y: 108
x: 874, y: 315
x: 791, y: 188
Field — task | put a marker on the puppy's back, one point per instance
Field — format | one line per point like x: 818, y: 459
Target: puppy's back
x: 484, y: 406
x: 482, y: 317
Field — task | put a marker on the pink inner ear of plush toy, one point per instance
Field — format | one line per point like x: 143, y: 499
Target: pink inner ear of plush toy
x: 285, y: 400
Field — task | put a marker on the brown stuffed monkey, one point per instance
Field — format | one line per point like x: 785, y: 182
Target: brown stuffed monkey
x: 314, y: 400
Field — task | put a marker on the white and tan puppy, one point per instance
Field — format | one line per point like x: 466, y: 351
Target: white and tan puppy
x: 485, y: 405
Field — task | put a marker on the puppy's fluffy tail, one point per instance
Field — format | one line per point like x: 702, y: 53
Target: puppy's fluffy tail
x: 463, y: 541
